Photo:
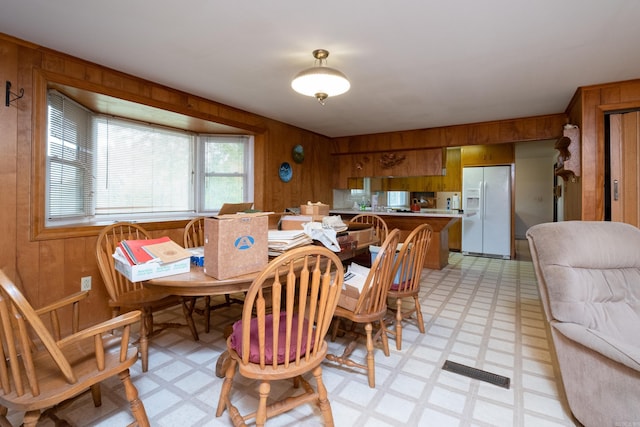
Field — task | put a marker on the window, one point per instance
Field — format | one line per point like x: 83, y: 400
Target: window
x: 69, y: 159
x: 226, y: 163
x: 108, y: 168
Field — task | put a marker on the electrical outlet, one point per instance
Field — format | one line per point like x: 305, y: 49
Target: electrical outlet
x: 85, y: 283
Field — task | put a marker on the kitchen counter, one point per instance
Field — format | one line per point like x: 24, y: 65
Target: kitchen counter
x: 439, y: 219
x: 445, y: 213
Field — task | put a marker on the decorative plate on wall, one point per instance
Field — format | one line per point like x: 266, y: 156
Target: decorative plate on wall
x: 298, y: 153
x: 285, y: 172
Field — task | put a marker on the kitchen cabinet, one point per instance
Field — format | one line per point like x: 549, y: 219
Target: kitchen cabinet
x: 346, y: 166
x: 452, y: 180
x: 399, y: 163
x: 355, y: 183
x: 487, y: 155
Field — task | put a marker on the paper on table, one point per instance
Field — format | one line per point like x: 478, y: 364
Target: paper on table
x: 326, y: 236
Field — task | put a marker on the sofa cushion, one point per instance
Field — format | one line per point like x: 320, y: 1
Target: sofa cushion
x: 608, y: 346
x: 591, y: 274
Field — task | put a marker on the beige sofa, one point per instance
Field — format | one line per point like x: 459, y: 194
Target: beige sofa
x: 589, y: 280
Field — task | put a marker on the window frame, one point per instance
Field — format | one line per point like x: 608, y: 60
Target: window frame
x: 168, y: 113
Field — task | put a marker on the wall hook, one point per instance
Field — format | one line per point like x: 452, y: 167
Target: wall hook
x: 9, y: 94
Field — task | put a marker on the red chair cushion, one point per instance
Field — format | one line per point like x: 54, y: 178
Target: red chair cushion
x: 396, y: 286
x: 254, y: 350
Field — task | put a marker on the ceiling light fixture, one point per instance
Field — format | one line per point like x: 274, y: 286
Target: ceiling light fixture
x: 320, y: 81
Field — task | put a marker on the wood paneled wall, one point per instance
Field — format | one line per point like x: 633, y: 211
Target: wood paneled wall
x: 495, y: 132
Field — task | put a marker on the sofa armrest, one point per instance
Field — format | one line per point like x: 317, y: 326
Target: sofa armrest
x: 607, y: 345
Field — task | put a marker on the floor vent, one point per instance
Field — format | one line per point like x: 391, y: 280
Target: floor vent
x: 477, y: 374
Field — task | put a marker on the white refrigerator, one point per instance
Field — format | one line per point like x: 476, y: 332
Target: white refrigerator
x: 486, y: 202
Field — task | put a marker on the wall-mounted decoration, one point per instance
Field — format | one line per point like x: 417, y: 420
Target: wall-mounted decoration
x: 285, y: 172
x: 298, y: 153
x: 11, y: 96
x: 389, y: 160
x: 568, y: 146
x: 360, y: 165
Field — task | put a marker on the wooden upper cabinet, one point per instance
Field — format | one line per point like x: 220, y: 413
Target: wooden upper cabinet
x: 481, y: 155
x: 400, y: 163
x: 347, y: 166
x: 341, y: 171
x: 452, y: 181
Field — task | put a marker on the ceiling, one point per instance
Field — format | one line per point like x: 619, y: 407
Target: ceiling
x: 412, y: 64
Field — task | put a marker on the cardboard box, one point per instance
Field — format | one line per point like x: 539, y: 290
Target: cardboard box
x: 348, y: 246
x: 352, y: 287
x: 314, y: 209
x: 296, y: 222
x: 348, y: 297
x: 151, y: 270
x: 235, y: 244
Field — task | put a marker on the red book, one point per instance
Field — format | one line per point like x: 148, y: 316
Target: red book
x: 135, y: 249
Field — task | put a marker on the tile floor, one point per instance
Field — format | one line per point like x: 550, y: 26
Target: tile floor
x: 480, y: 312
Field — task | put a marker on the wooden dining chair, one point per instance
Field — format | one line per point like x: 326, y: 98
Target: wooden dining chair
x: 46, y: 365
x: 193, y: 237
x: 281, y: 335
x: 369, y: 309
x: 379, y: 225
x: 127, y: 295
x: 405, y: 278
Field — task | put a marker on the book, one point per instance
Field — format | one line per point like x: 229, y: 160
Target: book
x: 167, y: 251
x: 135, y: 252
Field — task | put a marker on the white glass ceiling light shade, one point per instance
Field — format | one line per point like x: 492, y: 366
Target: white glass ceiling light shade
x: 321, y: 81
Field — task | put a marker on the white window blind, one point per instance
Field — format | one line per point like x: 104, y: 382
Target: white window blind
x: 69, y: 159
x: 142, y: 168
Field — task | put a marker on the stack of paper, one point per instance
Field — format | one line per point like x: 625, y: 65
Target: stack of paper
x: 283, y: 240
x: 335, y: 222
x: 356, y: 276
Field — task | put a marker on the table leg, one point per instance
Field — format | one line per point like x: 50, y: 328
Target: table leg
x: 188, y: 304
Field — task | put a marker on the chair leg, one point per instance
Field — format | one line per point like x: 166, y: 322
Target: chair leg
x: 323, y: 401
x: 261, y: 414
x: 96, y: 395
x: 31, y: 418
x: 384, y: 337
x: 226, y: 386
x: 136, y: 405
x: 419, y: 314
x: 371, y: 364
x: 146, y: 322
x: 399, y: 323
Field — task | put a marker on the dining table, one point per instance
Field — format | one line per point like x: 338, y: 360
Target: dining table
x: 196, y: 283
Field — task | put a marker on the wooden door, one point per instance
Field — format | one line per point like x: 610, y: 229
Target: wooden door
x: 625, y: 167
